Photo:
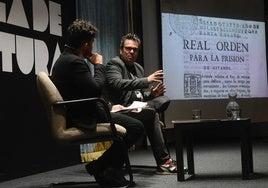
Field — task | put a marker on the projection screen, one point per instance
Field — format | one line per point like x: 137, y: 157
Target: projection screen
x: 210, y: 48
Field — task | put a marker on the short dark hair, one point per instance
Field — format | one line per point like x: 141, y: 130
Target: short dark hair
x: 130, y: 36
x: 81, y: 31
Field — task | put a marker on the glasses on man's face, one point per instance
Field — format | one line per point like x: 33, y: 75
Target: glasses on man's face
x: 129, y: 49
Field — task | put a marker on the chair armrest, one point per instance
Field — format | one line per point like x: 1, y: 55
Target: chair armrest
x: 88, y: 100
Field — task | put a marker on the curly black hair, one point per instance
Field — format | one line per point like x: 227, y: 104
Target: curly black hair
x: 81, y: 31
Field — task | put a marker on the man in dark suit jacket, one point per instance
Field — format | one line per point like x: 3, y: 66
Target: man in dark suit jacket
x: 72, y: 76
x: 126, y: 83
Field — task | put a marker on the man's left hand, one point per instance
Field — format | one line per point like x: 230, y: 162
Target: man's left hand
x: 158, y: 90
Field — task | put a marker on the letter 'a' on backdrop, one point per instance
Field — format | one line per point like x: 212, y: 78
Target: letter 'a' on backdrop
x: 208, y: 53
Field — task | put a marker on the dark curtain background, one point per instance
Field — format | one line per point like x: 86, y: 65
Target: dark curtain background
x: 114, y: 18
x: 110, y: 17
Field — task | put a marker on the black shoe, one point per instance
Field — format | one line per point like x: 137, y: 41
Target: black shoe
x: 92, y: 167
x: 111, y: 177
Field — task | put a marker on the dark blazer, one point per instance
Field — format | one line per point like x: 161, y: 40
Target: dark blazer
x: 73, y: 78
x: 120, y: 85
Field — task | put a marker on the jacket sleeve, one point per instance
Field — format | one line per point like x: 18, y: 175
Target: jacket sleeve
x: 85, y: 82
x: 117, y: 77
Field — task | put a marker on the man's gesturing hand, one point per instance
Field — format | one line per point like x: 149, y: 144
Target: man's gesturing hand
x: 157, y: 76
x: 158, y: 90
